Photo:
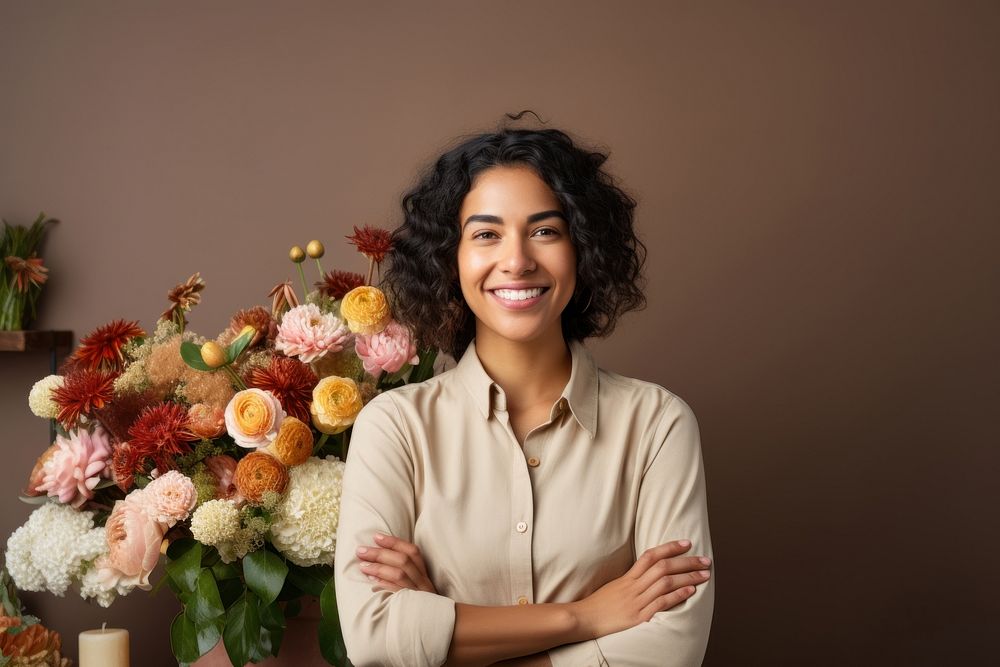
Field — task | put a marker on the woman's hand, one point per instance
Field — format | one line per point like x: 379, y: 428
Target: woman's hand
x: 659, y: 580
x: 395, y: 564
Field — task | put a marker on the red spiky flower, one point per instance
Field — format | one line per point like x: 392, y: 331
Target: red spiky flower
x: 158, y: 435
x: 372, y: 242
x: 291, y: 381
x: 336, y: 284
x: 258, y: 318
x: 27, y: 272
x: 183, y: 298
x: 82, y: 393
x: 102, y: 348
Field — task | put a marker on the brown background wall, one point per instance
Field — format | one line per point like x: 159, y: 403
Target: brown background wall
x: 819, y: 192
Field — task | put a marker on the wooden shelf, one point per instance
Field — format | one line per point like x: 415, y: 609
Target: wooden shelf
x: 35, y: 341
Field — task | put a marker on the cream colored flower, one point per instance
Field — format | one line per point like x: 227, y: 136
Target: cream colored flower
x: 40, y: 397
x: 366, y: 310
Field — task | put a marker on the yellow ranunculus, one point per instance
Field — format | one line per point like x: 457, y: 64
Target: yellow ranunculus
x: 336, y: 403
x: 294, y: 442
x: 366, y: 310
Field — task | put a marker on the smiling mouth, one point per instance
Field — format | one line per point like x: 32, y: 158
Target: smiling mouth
x: 519, y: 294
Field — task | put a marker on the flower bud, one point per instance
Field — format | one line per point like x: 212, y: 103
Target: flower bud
x: 212, y: 354
x: 315, y: 249
x: 296, y: 254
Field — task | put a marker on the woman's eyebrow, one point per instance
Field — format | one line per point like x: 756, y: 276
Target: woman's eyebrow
x: 497, y: 220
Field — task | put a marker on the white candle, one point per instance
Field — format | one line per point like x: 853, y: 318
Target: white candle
x: 107, y: 647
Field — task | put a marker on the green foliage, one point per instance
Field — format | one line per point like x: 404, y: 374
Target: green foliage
x: 17, y: 309
x: 310, y: 580
x: 241, y: 635
x: 331, y: 637
x: 186, y: 566
x: 265, y: 574
x: 191, y: 354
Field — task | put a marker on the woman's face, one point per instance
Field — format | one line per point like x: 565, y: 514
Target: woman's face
x: 516, y: 262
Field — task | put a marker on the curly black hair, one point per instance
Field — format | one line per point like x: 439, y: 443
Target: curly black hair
x: 421, y: 278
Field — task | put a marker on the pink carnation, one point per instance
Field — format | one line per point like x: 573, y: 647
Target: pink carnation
x: 170, y: 498
x: 76, y: 467
x: 308, y: 334
x: 387, y: 350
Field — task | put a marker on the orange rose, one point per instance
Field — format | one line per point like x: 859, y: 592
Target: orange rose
x: 336, y: 404
x: 365, y: 309
x: 253, y: 417
x: 257, y: 473
x: 294, y: 442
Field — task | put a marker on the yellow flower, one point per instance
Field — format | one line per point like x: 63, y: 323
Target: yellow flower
x: 294, y: 442
x: 366, y: 310
x: 336, y: 403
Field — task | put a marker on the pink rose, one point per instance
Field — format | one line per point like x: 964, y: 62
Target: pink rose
x: 134, y: 540
x: 387, y: 350
x: 170, y: 498
x: 206, y: 421
x: 223, y: 467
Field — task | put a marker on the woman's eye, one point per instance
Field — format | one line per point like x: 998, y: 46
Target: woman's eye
x: 483, y: 235
x: 546, y: 231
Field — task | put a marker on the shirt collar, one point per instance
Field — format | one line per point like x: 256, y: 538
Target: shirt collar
x: 580, y: 394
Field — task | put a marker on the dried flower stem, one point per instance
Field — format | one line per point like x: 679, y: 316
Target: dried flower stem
x: 302, y: 275
x: 371, y: 271
x: 321, y: 271
x: 320, y: 443
x: 237, y: 380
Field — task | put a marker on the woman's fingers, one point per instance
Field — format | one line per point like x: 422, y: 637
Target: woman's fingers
x: 666, y: 601
x: 387, y: 574
x: 674, y: 566
x: 654, y: 554
x: 404, y: 547
x: 400, y: 564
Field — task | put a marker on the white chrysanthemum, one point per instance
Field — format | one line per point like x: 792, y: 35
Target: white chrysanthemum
x: 215, y: 522
x: 40, y: 397
x: 306, y: 527
x: 51, y: 550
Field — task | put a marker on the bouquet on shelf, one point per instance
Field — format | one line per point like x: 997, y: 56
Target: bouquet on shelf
x: 225, y: 455
x: 22, y: 272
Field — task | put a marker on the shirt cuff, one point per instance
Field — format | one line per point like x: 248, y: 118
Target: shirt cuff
x: 420, y: 628
x: 580, y: 654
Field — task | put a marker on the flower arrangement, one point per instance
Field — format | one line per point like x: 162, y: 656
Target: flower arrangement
x: 24, y: 641
x: 22, y: 272
x: 225, y: 455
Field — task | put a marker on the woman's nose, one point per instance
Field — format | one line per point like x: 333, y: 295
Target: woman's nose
x: 517, y: 258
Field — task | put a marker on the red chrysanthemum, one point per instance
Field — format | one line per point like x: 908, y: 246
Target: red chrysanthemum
x: 372, y: 242
x: 102, y: 348
x: 123, y: 466
x: 258, y: 318
x: 121, y: 413
x: 336, y: 284
x: 291, y: 381
x: 158, y: 435
x: 82, y: 393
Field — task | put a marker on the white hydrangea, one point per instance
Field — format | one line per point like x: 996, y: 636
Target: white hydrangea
x: 92, y: 585
x: 51, y: 550
x: 40, y: 397
x: 215, y: 522
x: 306, y: 527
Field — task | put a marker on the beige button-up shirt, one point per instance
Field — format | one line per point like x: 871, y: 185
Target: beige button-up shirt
x: 615, y: 470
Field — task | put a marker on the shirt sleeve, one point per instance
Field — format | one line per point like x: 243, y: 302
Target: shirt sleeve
x: 672, y: 506
x: 407, y: 628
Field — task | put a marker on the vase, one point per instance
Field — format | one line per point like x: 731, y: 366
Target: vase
x: 299, y: 647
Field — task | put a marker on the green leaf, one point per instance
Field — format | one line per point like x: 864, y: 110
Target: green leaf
x: 210, y: 634
x: 205, y: 605
x: 331, y: 642
x: 184, y: 639
x: 425, y: 368
x: 230, y: 590
x: 191, y: 354
x: 179, y: 547
x: 239, y: 344
x: 223, y: 571
x: 265, y: 574
x: 331, y: 637
x: 185, y: 570
x: 310, y: 580
x: 34, y: 500
x: 242, y: 631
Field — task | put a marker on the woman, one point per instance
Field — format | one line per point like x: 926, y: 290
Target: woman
x: 525, y: 506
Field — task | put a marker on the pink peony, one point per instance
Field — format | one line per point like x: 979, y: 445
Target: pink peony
x: 308, y: 334
x: 134, y: 540
x: 170, y: 498
x: 76, y: 467
x: 224, y: 467
x: 206, y: 421
x: 387, y: 350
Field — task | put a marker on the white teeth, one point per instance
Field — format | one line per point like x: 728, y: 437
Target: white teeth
x: 518, y: 294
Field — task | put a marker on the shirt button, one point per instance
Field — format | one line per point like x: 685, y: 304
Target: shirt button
x: 533, y: 462
x: 521, y: 526
x: 522, y: 600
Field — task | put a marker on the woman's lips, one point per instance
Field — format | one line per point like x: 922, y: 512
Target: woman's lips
x: 517, y: 304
